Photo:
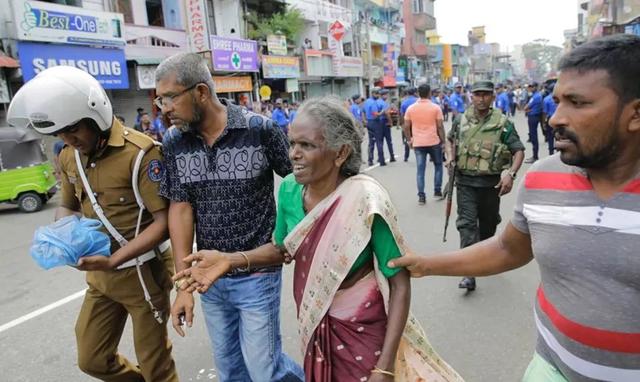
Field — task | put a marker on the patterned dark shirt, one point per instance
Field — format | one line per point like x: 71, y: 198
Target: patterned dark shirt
x: 229, y: 184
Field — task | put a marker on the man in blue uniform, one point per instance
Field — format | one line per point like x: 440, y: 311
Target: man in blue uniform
x: 279, y: 116
x: 374, y: 126
x: 502, y: 100
x: 456, y: 101
x: 385, y: 118
x: 356, y: 110
x: 548, y: 109
x: 533, y: 111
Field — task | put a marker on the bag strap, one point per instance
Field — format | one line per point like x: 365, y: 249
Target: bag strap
x: 95, y: 205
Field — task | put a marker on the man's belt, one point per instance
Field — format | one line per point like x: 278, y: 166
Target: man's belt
x: 145, y: 256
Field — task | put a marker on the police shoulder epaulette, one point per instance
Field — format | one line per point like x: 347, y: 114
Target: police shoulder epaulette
x: 143, y: 142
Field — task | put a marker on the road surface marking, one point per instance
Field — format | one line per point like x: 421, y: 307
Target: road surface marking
x: 41, y: 311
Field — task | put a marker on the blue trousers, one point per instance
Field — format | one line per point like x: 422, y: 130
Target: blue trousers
x: 548, y: 131
x: 376, y: 135
x: 533, y: 121
x: 435, y: 152
x: 386, y: 135
x: 242, y: 314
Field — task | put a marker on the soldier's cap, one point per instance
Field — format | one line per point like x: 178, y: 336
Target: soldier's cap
x: 384, y: 91
x: 482, y: 86
x: 355, y: 97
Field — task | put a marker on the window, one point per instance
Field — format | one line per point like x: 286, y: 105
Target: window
x: 419, y: 37
x: 347, y: 48
x: 417, y: 6
x: 73, y: 3
x: 324, y: 42
x: 154, y: 13
x: 124, y: 7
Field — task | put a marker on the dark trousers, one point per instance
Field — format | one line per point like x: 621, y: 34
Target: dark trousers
x: 533, y: 121
x: 550, y: 138
x: 513, y: 109
x: 478, y: 213
x: 386, y: 135
x: 376, y: 135
x: 407, y: 149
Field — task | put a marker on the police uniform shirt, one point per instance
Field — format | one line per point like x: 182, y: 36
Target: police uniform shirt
x: 109, y: 173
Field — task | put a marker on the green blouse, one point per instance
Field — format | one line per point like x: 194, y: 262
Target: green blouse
x: 291, y: 212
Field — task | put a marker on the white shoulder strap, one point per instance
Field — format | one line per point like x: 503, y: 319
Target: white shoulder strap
x: 94, y: 203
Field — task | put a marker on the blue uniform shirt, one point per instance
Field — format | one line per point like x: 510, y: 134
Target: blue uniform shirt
x: 406, y: 103
x: 382, y: 107
x: 292, y: 115
x: 456, y: 102
x: 502, y: 102
x: 279, y: 117
x: 549, y: 106
x: 356, y: 112
x: 535, y: 104
x: 371, y: 107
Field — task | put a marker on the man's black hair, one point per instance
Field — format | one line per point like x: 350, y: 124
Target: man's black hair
x: 424, y: 90
x: 618, y: 55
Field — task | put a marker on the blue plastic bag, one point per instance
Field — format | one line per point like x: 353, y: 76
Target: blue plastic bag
x: 68, y: 239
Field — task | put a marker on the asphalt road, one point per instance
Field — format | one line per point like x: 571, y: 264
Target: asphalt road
x: 487, y: 335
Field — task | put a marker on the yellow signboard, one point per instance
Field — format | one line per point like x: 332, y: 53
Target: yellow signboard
x: 232, y: 84
x: 265, y: 92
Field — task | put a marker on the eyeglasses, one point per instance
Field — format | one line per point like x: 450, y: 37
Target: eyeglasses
x: 161, y: 102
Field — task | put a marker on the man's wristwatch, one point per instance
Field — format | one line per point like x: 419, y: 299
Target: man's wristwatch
x: 512, y: 174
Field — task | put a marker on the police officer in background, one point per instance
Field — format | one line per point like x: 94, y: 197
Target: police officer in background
x: 386, y: 121
x: 488, y: 154
x: 111, y: 173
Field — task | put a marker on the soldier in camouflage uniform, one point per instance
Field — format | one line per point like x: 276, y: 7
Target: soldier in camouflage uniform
x: 488, y: 154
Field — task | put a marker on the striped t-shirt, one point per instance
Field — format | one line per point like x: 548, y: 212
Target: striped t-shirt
x: 587, y: 310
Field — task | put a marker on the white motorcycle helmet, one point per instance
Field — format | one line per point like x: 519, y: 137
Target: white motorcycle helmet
x: 59, y: 97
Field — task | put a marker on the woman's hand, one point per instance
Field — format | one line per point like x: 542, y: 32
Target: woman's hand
x: 209, y: 267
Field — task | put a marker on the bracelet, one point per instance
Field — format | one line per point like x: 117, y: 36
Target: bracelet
x: 178, y: 283
x: 248, y: 267
x: 378, y: 370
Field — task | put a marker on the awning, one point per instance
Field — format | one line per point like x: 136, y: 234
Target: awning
x: 8, y: 62
x: 146, y: 60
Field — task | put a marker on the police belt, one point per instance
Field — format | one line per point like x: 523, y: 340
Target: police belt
x: 145, y: 256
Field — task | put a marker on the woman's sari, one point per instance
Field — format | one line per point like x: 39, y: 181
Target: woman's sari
x: 342, y: 330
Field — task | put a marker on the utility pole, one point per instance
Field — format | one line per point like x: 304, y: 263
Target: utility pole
x: 369, y: 52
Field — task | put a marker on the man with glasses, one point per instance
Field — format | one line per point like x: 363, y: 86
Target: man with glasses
x: 98, y: 181
x: 220, y: 161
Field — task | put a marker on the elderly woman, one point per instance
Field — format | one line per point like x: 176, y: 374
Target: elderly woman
x: 341, y: 229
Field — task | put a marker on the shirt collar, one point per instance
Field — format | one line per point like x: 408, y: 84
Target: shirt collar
x: 116, y: 137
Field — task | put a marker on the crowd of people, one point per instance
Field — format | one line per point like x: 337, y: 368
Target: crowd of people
x: 577, y: 214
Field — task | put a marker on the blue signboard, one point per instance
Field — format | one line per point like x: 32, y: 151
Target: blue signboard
x: 108, y: 66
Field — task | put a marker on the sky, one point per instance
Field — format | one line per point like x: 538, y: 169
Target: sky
x: 508, y: 22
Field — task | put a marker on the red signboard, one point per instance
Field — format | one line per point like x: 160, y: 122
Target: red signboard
x: 336, y: 30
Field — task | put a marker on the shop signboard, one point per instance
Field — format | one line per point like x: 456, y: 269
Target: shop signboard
x: 108, y: 66
x: 277, y: 45
x: 232, y: 84
x: 197, y: 29
x: 40, y: 21
x: 234, y: 55
x: 280, y: 67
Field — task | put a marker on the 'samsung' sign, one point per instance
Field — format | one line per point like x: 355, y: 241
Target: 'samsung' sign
x: 108, y: 66
x: 39, y: 21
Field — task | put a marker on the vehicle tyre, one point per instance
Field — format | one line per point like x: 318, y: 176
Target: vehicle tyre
x: 30, y: 202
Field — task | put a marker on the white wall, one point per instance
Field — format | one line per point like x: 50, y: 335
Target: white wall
x: 139, y: 10
x: 228, y: 17
x: 95, y: 5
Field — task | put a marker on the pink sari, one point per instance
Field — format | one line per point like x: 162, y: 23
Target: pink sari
x: 342, y: 330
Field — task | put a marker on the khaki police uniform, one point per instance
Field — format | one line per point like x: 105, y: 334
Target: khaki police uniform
x: 115, y: 294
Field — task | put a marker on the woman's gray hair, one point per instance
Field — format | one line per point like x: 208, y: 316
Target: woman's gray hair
x: 189, y: 69
x: 339, y: 129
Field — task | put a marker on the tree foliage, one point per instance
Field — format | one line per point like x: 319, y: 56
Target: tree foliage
x: 290, y: 23
x: 545, y: 56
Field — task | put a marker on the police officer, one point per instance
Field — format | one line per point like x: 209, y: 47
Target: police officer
x: 111, y: 173
x: 386, y: 121
x: 488, y: 154
x: 374, y: 126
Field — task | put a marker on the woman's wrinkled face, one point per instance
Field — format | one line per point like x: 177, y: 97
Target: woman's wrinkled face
x: 312, y: 160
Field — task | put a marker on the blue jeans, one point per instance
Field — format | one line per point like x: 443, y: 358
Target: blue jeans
x: 435, y: 152
x: 242, y: 314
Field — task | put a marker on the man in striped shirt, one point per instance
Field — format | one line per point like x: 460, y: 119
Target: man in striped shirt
x: 578, y: 214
